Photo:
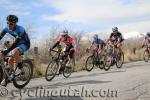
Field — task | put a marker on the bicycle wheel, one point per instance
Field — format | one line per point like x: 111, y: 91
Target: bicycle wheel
x: 51, y: 70
x: 67, y: 71
x: 1, y: 74
x: 102, y: 62
x: 108, y: 62
x: 119, y: 59
x: 89, y: 65
x: 146, y: 56
x: 25, y: 76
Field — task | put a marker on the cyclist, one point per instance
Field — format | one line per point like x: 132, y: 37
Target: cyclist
x: 18, y: 47
x: 147, y: 41
x: 99, y: 44
x: 115, y: 38
x: 70, y: 46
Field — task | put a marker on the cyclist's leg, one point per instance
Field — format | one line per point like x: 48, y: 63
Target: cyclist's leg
x: 119, y: 47
x: 10, y: 64
x: 21, y: 48
x: 15, y: 57
x: 99, y: 52
x: 71, y: 55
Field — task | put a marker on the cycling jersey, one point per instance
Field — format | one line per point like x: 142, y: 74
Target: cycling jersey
x: 69, y: 45
x: 67, y: 39
x: 17, y: 32
x: 98, y: 41
x: 115, y: 37
x: 22, y: 40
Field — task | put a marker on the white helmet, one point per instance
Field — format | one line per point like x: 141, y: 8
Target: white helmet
x: 64, y: 32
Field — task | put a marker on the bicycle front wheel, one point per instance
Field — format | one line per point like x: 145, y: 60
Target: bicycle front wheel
x: 51, y: 70
x: 107, y: 61
x: 89, y: 65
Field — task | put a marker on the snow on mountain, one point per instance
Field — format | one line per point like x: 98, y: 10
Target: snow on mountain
x: 105, y: 35
x: 132, y: 35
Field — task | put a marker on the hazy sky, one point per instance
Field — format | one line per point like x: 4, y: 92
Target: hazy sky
x: 80, y: 15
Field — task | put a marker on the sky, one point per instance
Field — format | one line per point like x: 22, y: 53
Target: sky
x: 90, y: 16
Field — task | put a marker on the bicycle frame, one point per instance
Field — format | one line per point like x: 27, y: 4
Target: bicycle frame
x: 3, y: 65
x: 58, y: 57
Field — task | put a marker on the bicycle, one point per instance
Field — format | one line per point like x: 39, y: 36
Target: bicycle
x: 113, y: 56
x: 58, y: 64
x: 146, y: 54
x: 95, y: 60
x: 20, y: 80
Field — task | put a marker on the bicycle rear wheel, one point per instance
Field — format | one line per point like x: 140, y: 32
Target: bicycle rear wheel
x: 67, y: 71
x: 25, y: 76
x: 108, y: 62
x: 89, y: 65
x: 102, y: 62
x: 51, y: 70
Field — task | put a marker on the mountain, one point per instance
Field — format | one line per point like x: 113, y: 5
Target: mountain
x: 134, y: 35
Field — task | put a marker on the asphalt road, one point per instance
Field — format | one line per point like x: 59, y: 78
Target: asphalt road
x: 132, y: 82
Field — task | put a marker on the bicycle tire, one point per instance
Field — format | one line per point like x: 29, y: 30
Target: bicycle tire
x: 15, y: 81
x: 51, y: 67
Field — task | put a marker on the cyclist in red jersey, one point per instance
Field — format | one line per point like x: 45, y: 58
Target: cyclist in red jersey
x: 70, y: 45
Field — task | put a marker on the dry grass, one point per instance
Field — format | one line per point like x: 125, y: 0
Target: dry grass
x: 132, y: 52
x: 38, y: 69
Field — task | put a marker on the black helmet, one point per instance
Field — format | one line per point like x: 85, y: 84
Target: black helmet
x: 12, y: 18
x: 115, y: 29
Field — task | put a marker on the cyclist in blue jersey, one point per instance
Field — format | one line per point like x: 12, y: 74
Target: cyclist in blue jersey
x: 98, y: 44
x: 18, y: 47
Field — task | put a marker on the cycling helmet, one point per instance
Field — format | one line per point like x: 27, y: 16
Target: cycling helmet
x: 115, y: 29
x: 148, y: 34
x: 12, y: 18
x: 65, y: 32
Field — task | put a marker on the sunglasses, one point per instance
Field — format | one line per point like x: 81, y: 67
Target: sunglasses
x: 8, y: 23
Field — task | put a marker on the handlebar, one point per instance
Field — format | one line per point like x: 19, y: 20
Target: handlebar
x: 53, y: 51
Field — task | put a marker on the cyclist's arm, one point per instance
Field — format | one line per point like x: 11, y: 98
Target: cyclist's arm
x: 91, y: 45
x: 14, y: 45
x: 57, y: 43
x: 120, y: 38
